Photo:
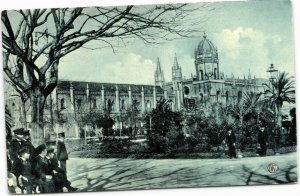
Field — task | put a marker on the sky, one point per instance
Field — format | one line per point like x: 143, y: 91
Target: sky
x: 249, y: 35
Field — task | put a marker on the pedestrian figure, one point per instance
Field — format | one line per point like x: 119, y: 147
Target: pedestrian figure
x: 26, y: 177
x: 16, y: 144
x: 230, y: 140
x: 62, y: 154
x: 262, y: 139
x: 59, y: 175
x: 27, y: 143
x: 43, y: 170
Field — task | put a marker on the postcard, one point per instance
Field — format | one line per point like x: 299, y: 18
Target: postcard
x: 156, y: 96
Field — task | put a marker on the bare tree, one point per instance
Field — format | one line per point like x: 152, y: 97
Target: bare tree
x: 38, y: 39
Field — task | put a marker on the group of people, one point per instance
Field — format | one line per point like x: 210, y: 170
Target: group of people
x: 262, y: 140
x: 41, y: 169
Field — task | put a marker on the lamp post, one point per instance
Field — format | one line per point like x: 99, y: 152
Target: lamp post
x: 273, y: 73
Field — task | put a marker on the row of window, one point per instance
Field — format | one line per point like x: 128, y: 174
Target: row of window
x: 109, y: 104
x: 217, y: 97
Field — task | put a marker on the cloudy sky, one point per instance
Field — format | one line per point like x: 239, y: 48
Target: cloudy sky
x: 249, y: 36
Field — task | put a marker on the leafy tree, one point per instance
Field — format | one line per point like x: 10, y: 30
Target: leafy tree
x: 95, y: 118
x: 164, y: 127
x: 133, y: 116
x: 279, y: 91
x: 37, y: 39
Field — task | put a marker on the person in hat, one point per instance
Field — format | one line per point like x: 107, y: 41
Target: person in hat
x: 262, y: 139
x: 62, y: 154
x: 26, y: 175
x: 53, y: 165
x: 43, y: 170
x: 27, y: 142
x: 231, y: 140
x: 59, y: 175
x: 16, y: 143
x: 13, y: 155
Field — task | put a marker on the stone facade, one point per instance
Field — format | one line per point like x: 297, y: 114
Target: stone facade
x: 72, y: 97
x: 208, y: 85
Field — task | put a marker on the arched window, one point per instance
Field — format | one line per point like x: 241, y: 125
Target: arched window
x: 201, y: 75
x: 186, y: 90
x: 148, y: 105
x: 227, y: 97
x: 123, y: 104
x: 79, y: 103
x: 201, y: 98
x: 94, y: 102
x: 215, y: 73
x: 110, y: 104
x: 240, y: 94
x: 62, y: 104
x: 218, y: 96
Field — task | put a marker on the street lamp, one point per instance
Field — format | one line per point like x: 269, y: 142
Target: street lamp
x: 273, y: 73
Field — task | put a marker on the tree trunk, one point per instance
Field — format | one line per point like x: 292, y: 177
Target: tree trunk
x: 279, y: 116
x: 51, y: 114
x: 23, y: 114
x: 241, y: 120
x: 37, y: 100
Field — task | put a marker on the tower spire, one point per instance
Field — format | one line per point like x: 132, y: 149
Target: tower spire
x: 176, y: 70
x: 249, y: 74
x: 158, y: 68
x: 159, y: 75
x: 175, y: 65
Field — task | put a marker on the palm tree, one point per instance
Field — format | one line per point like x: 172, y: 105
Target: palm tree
x: 280, y: 90
x: 248, y: 104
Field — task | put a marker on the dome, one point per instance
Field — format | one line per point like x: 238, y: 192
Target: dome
x: 206, y: 47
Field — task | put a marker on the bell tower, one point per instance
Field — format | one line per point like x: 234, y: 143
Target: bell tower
x: 207, y: 60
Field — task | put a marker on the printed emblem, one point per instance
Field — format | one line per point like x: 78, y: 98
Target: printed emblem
x: 272, y: 168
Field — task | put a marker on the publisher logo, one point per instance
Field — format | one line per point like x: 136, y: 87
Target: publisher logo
x: 272, y: 168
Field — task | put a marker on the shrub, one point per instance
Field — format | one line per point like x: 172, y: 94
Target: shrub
x: 138, y: 148
x: 157, y: 142
x: 164, y: 128
x: 191, y: 142
x: 174, y: 141
x: 113, y: 145
x: 88, y: 147
x: 139, y: 151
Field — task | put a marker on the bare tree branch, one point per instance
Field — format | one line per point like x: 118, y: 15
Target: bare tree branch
x: 37, y: 39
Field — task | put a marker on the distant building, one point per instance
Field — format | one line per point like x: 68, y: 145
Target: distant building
x: 207, y: 86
